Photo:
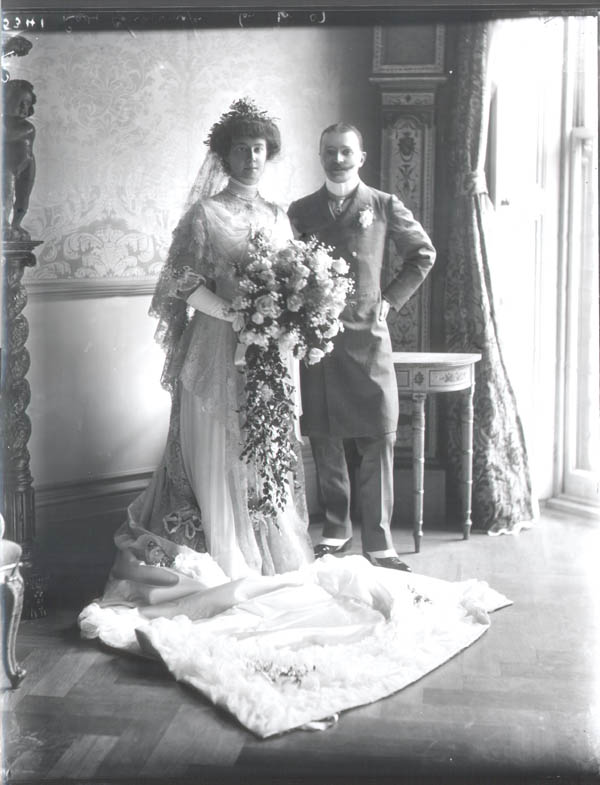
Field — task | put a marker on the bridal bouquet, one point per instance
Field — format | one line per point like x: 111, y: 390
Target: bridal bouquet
x: 290, y: 300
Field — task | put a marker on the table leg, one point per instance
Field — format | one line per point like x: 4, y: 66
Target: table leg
x: 466, y: 420
x: 418, y: 451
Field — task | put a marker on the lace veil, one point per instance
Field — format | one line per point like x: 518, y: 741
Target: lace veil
x: 172, y: 313
x: 211, y: 179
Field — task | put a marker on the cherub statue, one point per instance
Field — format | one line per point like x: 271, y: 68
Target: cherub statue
x: 18, y: 171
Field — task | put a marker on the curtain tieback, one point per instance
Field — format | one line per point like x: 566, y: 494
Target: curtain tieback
x: 474, y: 183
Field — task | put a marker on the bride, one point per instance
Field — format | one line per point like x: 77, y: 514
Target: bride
x: 202, y: 494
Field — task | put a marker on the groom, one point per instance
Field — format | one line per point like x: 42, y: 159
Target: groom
x: 352, y: 393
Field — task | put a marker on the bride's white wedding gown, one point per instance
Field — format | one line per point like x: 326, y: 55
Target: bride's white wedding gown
x: 202, y: 492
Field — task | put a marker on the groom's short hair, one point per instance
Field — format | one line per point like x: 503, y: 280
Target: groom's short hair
x: 343, y: 128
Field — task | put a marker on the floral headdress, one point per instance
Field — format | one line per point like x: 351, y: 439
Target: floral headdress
x: 241, y: 110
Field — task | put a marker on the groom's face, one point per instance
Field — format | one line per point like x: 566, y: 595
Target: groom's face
x: 341, y: 155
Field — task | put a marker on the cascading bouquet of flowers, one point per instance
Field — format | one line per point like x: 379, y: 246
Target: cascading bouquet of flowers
x: 290, y: 300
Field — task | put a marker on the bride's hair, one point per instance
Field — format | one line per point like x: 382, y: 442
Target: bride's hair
x: 244, y: 118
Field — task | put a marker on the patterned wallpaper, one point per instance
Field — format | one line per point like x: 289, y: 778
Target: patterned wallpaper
x: 121, y: 120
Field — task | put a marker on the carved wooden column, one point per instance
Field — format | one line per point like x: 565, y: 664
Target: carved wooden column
x: 408, y: 67
x: 15, y: 427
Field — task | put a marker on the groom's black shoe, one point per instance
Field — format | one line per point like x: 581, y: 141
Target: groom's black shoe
x: 324, y: 550
x: 390, y: 562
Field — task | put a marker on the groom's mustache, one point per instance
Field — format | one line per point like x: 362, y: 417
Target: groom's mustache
x: 339, y: 168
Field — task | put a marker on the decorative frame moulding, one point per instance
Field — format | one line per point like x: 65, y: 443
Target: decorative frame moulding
x: 413, y: 69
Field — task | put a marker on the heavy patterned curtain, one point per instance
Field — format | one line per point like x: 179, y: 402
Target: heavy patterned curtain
x: 502, y: 497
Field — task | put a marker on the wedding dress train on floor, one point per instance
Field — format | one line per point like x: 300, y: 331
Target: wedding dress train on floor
x: 282, y: 651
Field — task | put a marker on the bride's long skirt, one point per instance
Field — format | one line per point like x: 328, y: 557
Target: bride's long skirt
x: 204, y: 451
x: 210, y: 440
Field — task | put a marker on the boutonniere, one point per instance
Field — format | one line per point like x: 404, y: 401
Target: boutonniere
x: 366, y: 217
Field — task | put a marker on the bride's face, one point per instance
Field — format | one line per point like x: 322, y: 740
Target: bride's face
x: 247, y: 158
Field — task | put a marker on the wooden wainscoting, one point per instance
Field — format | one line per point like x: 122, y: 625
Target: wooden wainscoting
x: 75, y: 524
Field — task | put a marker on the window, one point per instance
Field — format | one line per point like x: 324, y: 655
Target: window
x: 542, y: 162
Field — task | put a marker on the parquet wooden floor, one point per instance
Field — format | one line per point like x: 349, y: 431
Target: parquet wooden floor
x: 522, y: 705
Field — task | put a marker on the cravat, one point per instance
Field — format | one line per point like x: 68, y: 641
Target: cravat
x: 337, y: 204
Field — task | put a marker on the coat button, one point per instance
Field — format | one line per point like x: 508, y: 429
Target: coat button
x: 354, y: 254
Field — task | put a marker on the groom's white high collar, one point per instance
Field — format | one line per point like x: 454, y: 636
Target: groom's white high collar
x: 342, y: 189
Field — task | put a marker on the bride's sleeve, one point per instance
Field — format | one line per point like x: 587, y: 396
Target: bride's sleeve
x: 189, y: 262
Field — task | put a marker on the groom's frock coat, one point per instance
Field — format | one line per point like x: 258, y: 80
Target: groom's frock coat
x: 352, y: 392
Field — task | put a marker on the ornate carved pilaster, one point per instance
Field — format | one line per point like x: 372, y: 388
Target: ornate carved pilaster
x: 408, y: 66
x: 15, y: 427
x: 407, y: 171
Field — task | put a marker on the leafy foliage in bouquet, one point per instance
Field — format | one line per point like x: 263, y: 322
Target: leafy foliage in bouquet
x: 268, y: 426
x: 290, y: 300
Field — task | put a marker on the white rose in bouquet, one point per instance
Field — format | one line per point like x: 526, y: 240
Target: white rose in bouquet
x: 315, y: 355
x: 267, y: 306
x: 297, y: 282
x: 331, y: 331
x: 340, y: 266
x: 323, y: 258
x: 294, y: 303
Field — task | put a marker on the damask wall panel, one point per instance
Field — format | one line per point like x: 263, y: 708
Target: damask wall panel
x: 121, y: 121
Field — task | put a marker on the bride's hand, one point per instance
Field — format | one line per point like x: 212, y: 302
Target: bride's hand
x: 239, y: 358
